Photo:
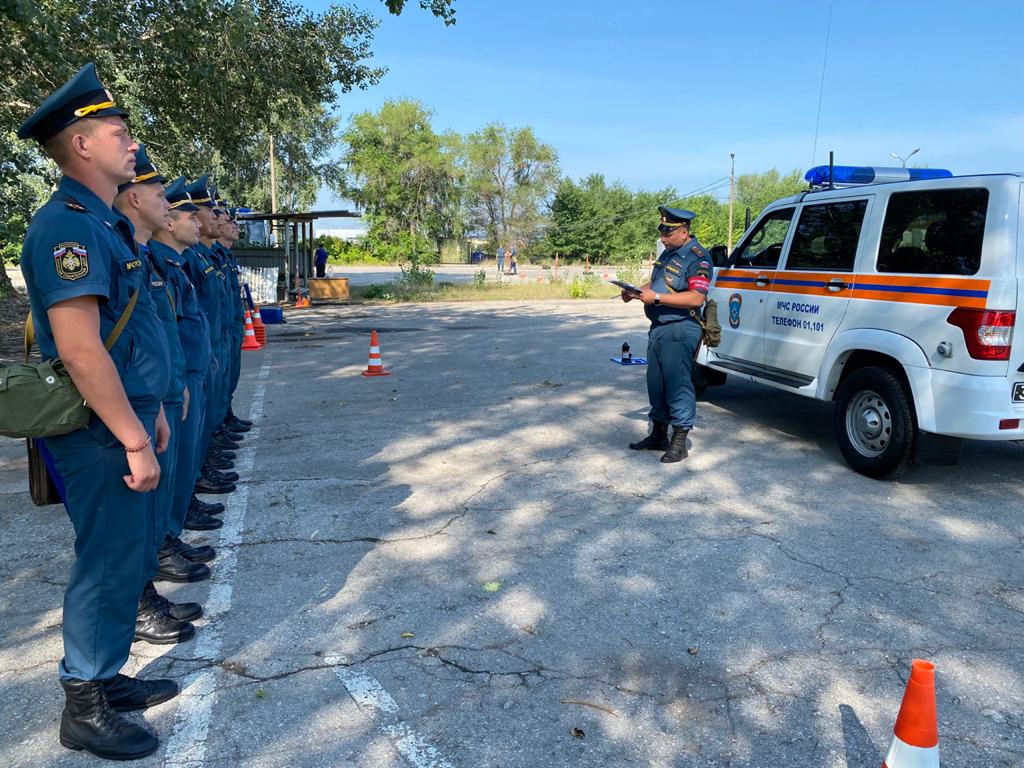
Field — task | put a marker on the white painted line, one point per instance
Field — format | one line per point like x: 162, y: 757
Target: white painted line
x: 186, y: 746
x: 370, y: 696
x: 414, y: 748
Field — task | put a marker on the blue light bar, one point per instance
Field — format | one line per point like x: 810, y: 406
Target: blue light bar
x: 863, y: 174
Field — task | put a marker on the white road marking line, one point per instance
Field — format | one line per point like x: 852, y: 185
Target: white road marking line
x: 186, y: 746
x: 370, y: 696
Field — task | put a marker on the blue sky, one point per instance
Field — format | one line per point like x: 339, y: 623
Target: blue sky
x: 659, y: 93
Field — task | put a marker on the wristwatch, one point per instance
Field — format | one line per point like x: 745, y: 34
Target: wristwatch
x: 657, y: 299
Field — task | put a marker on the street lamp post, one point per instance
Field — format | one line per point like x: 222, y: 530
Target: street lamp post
x: 732, y: 197
x: 903, y: 160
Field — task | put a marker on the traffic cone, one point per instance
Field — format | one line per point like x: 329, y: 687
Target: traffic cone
x: 258, y: 327
x: 249, y: 342
x: 915, y: 741
x: 375, y: 367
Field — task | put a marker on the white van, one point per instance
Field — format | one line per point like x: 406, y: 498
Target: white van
x: 894, y: 293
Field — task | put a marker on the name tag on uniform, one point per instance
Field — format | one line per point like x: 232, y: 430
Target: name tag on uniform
x: 156, y: 283
x: 672, y: 269
x: 128, y: 266
x: 208, y: 270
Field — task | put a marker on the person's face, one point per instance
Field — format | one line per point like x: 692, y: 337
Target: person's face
x: 153, y: 206
x: 111, y: 147
x: 184, y: 228
x: 676, y: 236
x: 206, y: 225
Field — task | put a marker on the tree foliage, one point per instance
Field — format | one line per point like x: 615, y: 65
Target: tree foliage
x: 403, y: 175
x: 509, y: 175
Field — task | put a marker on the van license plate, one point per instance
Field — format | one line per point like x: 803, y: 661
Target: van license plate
x: 1018, y: 392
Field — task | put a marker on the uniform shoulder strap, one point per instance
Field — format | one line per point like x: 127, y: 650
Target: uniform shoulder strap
x: 115, y: 334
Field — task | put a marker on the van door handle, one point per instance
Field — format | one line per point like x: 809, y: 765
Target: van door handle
x: 761, y: 281
x: 835, y: 285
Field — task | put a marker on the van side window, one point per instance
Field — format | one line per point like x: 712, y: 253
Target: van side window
x: 763, y: 247
x: 827, y: 235
x: 937, y: 232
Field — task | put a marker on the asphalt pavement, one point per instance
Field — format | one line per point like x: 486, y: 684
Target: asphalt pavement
x: 461, y: 565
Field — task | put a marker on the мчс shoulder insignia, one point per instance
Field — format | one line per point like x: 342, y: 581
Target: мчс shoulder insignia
x: 71, y: 261
x: 76, y: 206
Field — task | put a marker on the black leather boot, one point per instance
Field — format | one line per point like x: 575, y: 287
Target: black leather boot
x: 201, y: 554
x: 89, y: 722
x: 127, y: 694
x: 171, y: 566
x: 677, y: 448
x: 178, y: 611
x: 206, y: 507
x: 214, y: 462
x: 200, y: 521
x: 656, y: 441
x: 206, y: 485
x: 153, y: 625
x: 218, y: 453
x: 216, y: 476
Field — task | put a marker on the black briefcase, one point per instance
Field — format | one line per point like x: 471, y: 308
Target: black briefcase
x: 41, y: 487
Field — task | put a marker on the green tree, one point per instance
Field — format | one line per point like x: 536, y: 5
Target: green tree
x: 757, y: 190
x: 509, y: 174
x: 403, y: 175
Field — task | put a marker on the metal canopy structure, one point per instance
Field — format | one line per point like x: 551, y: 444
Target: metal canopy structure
x: 296, y: 233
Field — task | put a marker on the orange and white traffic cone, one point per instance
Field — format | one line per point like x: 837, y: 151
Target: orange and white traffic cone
x: 258, y: 327
x: 915, y: 741
x: 249, y: 342
x: 375, y: 367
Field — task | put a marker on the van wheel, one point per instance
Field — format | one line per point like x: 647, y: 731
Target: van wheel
x: 875, y: 423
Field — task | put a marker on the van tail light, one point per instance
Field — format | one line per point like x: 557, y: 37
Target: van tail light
x: 988, y: 332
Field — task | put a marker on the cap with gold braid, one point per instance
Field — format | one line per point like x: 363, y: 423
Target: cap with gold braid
x: 178, y: 198
x: 145, y: 170
x: 199, y: 190
x: 80, y: 97
x: 673, y: 218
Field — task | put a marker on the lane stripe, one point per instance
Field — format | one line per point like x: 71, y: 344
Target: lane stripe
x: 186, y: 746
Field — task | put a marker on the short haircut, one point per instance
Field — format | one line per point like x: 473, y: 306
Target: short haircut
x: 58, y: 147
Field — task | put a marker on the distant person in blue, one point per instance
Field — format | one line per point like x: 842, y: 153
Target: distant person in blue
x: 501, y: 258
x: 513, y: 268
x: 672, y: 300
x: 320, y: 262
x: 84, y: 273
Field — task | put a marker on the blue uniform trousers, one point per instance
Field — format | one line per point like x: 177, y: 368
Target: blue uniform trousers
x: 670, y: 351
x: 210, y: 410
x: 236, y: 368
x: 164, y: 493
x: 113, y: 547
x: 188, y: 457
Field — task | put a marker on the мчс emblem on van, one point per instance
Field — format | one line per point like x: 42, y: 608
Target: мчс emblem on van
x: 71, y: 261
x: 735, y: 304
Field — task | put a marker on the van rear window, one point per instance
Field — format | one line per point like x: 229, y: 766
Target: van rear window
x: 934, y: 232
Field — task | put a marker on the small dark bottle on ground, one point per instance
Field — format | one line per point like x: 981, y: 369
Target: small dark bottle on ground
x: 626, y: 354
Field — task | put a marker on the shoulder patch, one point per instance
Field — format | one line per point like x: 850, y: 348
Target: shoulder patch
x: 71, y: 261
x: 76, y: 206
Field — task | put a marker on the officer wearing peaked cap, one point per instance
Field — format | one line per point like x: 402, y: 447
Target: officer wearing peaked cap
x: 159, y: 621
x: 84, y: 274
x: 679, y: 285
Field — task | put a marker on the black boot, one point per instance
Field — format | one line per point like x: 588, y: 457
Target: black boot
x: 216, y: 476
x: 206, y: 507
x: 171, y: 566
x: 127, y: 694
x: 177, y: 611
x: 677, y: 449
x: 206, y: 485
x: 221, y: 455
x: 201, y: 554
x: 200, y: 521
x: 656, y: 441
x: 224, y: 442
x: 153, y: 625
x: 214, y: 462
x: 236, y: 424
x: 89, y: 722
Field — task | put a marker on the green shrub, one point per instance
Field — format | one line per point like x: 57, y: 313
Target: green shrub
x: 479, y: 278
x: 582, y: 286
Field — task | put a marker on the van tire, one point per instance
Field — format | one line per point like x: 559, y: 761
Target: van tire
x: 876, y: 426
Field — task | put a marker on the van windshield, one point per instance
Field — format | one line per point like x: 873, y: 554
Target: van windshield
x: 934, y: 232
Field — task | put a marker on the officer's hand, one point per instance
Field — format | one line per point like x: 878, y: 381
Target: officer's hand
x: 647, y: 296
x: 184, y: 405
x: 628, y: 295
x: 163, y: 431
x: 145, y: 471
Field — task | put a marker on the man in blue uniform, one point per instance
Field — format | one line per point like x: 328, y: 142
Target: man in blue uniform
x: 143, y: 203
x: 169, y: 245
x: 672, y: 300
x: 84, y: 274
x: 233, y: 423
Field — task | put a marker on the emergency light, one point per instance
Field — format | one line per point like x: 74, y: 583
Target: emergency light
x: 845, y: 175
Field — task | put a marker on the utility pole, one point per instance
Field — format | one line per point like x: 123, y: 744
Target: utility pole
x: 732, y: 195
x: 273, y: 178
